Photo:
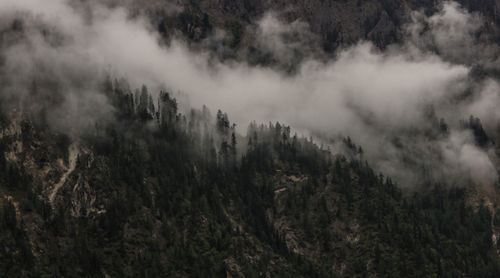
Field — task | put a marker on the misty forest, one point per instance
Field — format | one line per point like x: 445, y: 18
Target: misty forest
x: 249, y: 138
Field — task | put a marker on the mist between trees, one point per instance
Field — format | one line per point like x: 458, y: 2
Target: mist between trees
x: 422, y: 110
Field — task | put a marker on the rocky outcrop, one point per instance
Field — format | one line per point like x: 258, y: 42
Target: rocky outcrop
x: 73, y: 155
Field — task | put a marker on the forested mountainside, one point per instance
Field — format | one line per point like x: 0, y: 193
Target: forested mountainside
x: 333, y: 23
x: 159, y: 193
x: 249, y: 138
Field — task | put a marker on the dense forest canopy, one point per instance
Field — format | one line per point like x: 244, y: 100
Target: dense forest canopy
x: 184, y: 140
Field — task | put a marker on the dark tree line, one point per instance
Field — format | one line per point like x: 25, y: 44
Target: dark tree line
x: 184, y: 195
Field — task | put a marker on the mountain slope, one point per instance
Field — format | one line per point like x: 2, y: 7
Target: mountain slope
x: 175, y: 200
x: 101, y: 179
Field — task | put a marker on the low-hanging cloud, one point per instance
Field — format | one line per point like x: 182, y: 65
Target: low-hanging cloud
x: 455, y: 34
x: 379, y: 98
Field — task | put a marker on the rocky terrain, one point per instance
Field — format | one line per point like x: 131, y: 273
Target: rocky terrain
x: 102, y: 179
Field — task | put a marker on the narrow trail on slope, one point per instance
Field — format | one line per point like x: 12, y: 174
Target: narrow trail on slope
x: 73, y: 155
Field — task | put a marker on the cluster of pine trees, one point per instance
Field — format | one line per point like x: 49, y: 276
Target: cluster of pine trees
x: 185, y: 195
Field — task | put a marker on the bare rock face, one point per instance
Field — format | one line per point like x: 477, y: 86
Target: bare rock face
x: 55, y: 167
x: 27, y: 150
x: 233, y: 270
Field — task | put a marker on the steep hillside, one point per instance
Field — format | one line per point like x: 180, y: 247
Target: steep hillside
x: 387, y: 165
x: 163, y: 194
x: 335, y: 23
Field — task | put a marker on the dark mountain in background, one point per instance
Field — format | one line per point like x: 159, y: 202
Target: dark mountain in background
x: 335, y: 23
x: 99, y: 178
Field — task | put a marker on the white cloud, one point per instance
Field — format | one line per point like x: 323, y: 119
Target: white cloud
x: 375, y: 97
